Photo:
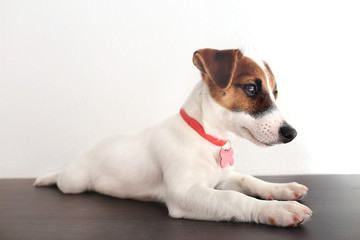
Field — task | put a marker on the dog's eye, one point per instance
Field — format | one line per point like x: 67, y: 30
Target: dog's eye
x: 250, y: 89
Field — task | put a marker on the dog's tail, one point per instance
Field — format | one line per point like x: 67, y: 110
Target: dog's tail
x: 46, y: 180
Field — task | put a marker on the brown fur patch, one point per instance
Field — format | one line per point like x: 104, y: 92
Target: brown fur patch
x: 215, y: 72
x: 218, y: 65
x: 272, y: 221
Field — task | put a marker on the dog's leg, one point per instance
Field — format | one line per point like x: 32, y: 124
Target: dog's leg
x: 204, y: 203
x: 46, y: 180
x: 255, y: 187
x: 73, y: 179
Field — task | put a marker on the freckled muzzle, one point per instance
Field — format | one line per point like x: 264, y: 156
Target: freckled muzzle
x: 287, y: 133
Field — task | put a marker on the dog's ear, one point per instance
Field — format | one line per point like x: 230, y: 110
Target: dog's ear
x: 218, y: 65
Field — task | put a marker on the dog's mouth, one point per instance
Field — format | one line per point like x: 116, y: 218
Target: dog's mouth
x: 252, y: 138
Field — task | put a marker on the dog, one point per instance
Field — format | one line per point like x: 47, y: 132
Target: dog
x: 187, y: 161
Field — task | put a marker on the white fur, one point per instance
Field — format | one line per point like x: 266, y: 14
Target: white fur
x: 262, y: 66
x: 171, y: 163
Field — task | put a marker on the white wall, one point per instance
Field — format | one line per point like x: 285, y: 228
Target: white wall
x: 73, y: 72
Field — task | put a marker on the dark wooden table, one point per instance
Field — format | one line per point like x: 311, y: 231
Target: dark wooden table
x: 30, y: 213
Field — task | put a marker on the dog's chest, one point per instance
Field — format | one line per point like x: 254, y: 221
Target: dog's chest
x: 219, y: 177
x: 211, y: 167
x: 216, y: 175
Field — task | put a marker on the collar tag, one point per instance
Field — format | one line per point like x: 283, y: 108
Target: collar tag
x: 226, y: 156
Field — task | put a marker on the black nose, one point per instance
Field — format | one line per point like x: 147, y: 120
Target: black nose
x: 287, y: 133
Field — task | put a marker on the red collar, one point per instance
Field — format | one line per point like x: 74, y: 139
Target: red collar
x: 226, y: 153
x: 200, y: 130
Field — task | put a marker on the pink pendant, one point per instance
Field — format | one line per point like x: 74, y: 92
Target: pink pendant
x: 226, y: 156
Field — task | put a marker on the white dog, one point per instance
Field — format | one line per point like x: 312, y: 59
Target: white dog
x: 186, y: 161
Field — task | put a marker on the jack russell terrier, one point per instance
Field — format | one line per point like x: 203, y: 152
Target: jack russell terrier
x: 187, y: 161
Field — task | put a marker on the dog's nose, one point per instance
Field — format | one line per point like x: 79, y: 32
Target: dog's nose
x: 287, y: 133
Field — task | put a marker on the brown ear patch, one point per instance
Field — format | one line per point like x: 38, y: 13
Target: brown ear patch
x: 217, y: 65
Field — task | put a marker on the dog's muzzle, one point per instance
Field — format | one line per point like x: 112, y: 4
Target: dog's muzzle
x: 287, y: 133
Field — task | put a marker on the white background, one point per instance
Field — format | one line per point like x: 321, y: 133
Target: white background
x: 74, y: 72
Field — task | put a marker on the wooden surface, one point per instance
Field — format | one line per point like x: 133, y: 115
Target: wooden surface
x: 30, y: 213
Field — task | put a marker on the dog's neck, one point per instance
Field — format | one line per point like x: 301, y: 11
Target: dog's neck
x: 202, y: 107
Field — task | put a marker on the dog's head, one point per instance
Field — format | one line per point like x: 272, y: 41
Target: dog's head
x: 246, y: 90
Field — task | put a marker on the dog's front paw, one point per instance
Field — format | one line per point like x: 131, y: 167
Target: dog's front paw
x: 285, y: 191
x: 285, y: 214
